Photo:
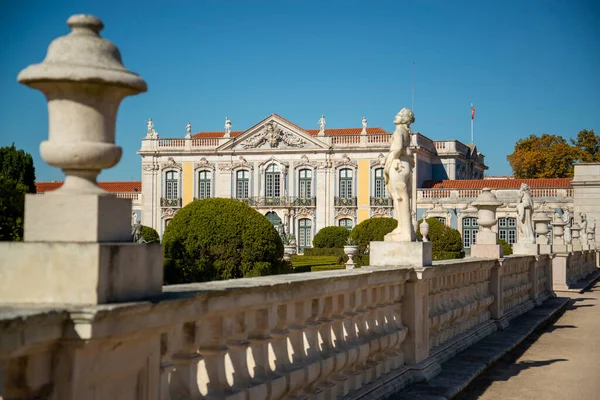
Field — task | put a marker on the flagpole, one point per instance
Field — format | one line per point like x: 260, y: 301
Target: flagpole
x: 472, y: 120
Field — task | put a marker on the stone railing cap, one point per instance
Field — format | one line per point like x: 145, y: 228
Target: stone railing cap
x: 83, y: 56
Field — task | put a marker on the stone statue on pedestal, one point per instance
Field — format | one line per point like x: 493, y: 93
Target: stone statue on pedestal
x: 188, y: 130
x: 364, y: 123
x: 524, y: 212
x: 227, y: 126
x: 322, y: 123
x: 398, y: 176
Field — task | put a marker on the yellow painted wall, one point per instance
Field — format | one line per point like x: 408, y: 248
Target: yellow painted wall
x: 188, y: 183
x: 364, y: 169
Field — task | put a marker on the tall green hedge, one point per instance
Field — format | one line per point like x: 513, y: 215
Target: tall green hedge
x: 217, y: 238
x: 506, y: 247
x: 331, y: 236
x: 373, y: 229
x: 446, y: 242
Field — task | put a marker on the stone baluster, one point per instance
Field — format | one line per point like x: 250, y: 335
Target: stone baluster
x: 541, y: 221
x: 340, y: 346
x: 184, y: 378
x: 212, y: 378
x: 394, y: 318
x: 353, y: 340
x: 327, y: 353
x: 383, y: 311
x: 575, y: 234
x: 236, y: 328
x: 364, y: 335
x: 378, y: 341
x: 311, y: 333
x: 487, y: 240
x: 300, y: 359
x: 280, y: 359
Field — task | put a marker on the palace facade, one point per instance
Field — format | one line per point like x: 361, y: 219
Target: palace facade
x: 301, y: 180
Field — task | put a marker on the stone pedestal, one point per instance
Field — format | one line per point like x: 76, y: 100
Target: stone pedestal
x: 526, y: 248
x: 410, y: 254
x: 546, y: 248
x: 487, y: 251
x: 79, y: 273
x: 82, y: 218
x: 560, y: 248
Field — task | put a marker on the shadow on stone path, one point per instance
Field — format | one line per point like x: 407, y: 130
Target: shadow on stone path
x: 560, y: 361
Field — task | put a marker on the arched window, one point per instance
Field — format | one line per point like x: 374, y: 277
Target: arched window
x: 507, y: 230
x: 242, y: 184
x: 305, y: 184
x: 204, y: 181
x: 172, y: 183
x: 470, y: 229
x: 346, y: 223
x: 346, y: 183
x: 304, y: 234
x: 272, y: 181
x: 379, y: 183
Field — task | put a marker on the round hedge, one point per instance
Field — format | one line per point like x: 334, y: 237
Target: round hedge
x: 446, y: 242
x: 331, y: 237
x: 506, y: 247
x: 150, y: 235
x: 217, y: 238
x: 373, y: 229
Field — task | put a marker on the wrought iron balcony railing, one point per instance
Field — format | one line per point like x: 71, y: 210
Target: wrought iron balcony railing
x: 381, y: 202
x: 344, y: 201
x: 170, y: 202
x: 287, y: 201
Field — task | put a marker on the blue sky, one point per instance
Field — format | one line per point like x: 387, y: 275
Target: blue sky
x: 529, y: 66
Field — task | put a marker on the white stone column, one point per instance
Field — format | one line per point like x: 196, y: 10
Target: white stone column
x: 78, y: 242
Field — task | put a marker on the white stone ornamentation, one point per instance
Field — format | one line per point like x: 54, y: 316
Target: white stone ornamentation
x: 227, y: 127
x: 170, y: 164
x: 364, y: 125
x: 240, y: 163
x: 398, y: 176
x: 188, y: 130
x: 524, y: 213
x: 346, y: 162
x: 204, y: 164
x: 379, y: 162
x: 273, y: 135
x: 322, y: 124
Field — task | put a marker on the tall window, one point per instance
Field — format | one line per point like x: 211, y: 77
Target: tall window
x: 507, y: 230
x: 242, y: 184
x: 305, y: 184
x: 172, y: 178
x: 441, y: 219
x: 273, y: 181
x: 380, y: 183
x: 470, y: 229
x: 346, y: 183
x: 346, y: 223
x: 204, y: 178
x: 304, y: 234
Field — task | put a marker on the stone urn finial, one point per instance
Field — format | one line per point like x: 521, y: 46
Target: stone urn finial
x: 486, y: 204
x: 541, y: 221
x: 84, y: 81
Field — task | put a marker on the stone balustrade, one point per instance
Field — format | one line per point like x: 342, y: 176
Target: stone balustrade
x: 312, y: 335
x: 455, y: 194
x: 570, y: 267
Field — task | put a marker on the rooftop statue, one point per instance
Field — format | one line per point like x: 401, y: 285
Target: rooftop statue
x: 227, y: 126
x: 322, y: 123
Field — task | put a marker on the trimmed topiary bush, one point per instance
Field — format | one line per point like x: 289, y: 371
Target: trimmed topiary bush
x: 331, y: 236
x: 506, y: 248
x: 217, y: 238
x: 373, y: 229
x: 150, y: 235
x: 446, y: 242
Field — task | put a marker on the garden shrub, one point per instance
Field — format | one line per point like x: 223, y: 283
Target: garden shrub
x: 150, y: 235
x: 326, y: 251
x: 213, y: 239
x: 373, y: 229
x: 446, y: 242
x: 331, y: 236
x: 507, y: 249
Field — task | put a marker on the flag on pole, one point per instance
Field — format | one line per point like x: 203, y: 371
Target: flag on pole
x: 472, y: 111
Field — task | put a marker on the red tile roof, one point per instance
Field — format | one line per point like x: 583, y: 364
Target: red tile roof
x: 113, y: 187
x: 313, y: 132
x: 499, y: 183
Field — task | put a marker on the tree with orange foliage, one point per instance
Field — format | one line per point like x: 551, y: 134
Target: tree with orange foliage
x: 546, y: 156
x: 587, y: 146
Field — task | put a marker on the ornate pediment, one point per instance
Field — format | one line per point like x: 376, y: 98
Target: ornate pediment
x: 240, y: 163
x: 170, y: 164
x: 305, y: 162
x: 380, y: 162
x: 283, y: 164
x: 271, y: 133
x: 346, y: 162
x: 203, y: 163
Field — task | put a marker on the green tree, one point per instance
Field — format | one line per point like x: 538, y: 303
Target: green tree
x: 12, y: 209
x: 17, y: 177
x: 331, y: 237
x: 17, y: 165
x: 213, y: 239
x: 546, y: 156
x: 587, y: 146
x: 372, y: 229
